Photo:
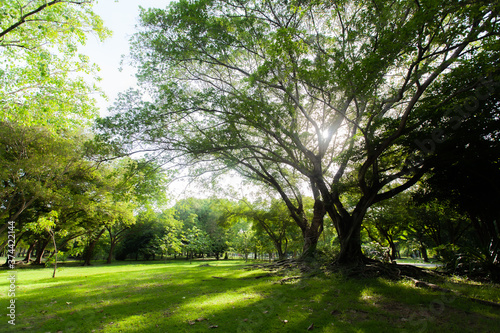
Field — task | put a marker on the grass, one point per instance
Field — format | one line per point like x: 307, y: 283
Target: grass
x: 181, y: 297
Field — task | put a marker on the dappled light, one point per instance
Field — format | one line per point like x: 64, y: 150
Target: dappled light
x: 249, y: 166
x: 181, y: 297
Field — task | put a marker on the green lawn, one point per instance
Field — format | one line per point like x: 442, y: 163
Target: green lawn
x: 224, y: 297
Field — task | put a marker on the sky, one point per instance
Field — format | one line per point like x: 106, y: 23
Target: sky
x: 121, y: 17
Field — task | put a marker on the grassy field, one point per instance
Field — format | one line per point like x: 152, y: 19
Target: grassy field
x: 226, y: 296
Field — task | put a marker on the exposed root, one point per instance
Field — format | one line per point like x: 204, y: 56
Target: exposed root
x: 427, y: 285
x: 290, y: 278
x: 372, y: 269
x: 362, y: 269
x: 284, y: 265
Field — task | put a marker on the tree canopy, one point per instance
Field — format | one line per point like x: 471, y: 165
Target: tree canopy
x: 40, y: 63
x: 303, y: 94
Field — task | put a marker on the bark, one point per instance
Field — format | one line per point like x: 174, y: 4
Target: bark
x: 281, y: 253
x: 394, y: 251
x: 110, y: 255
x: 349, y: 233
x: 312, y: 232
x: 423, y: 250
x: 40, y: 251
x: 89, y: 252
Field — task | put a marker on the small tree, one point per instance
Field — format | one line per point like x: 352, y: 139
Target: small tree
x: 47, y: 224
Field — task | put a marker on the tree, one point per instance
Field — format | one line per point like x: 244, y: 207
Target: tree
x: 154, y: 233
x: 206, y: 218
x: 123, y: 188
x: 387, y: 221
x: 465, y: 154
x: 296, y: 93
x: 272, y: 218
x: 47, y: 224
x: 36, y: 171
x: 140, y: 184
x: 38, y: 60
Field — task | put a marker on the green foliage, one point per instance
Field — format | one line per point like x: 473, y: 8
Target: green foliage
x: 270, y: 220
x: 35, y: 166
x: 39, y: 63
x: 312, y: 99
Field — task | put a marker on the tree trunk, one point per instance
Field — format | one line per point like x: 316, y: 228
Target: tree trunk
x: 394, y: 251
x: 27, y: 258
x: 281, y: 253
x: 110, y: 254
x: 349, y: 233
x: 53, y: 236
x: 40, y: 251
x: 423, y: 249
x: 311, y: 238
x: 311, y: 233
x: 89, y: 252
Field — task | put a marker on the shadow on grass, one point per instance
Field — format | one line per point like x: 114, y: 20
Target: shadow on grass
x: 178, y: 297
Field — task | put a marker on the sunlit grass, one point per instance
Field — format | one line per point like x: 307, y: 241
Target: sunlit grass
x: 179, y: 296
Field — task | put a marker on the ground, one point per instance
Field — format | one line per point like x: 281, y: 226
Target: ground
x: 230, y: 296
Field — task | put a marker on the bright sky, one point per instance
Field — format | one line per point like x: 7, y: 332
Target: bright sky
x: 121, y: 17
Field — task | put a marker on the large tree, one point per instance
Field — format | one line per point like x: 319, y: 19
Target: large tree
x: 465, y: 164
x: 302, y: 95
x: 35, y: 166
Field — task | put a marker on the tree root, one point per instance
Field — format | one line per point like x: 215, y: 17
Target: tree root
x: 427, y: 285
x: 281, y: 265
x: 289, y: 278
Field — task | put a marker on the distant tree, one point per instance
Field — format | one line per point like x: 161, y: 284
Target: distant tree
x: 243, y: 241
x: 204, y: 217
x: 141, y: 184
x: 273, y: 219
x: 388, y: 220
